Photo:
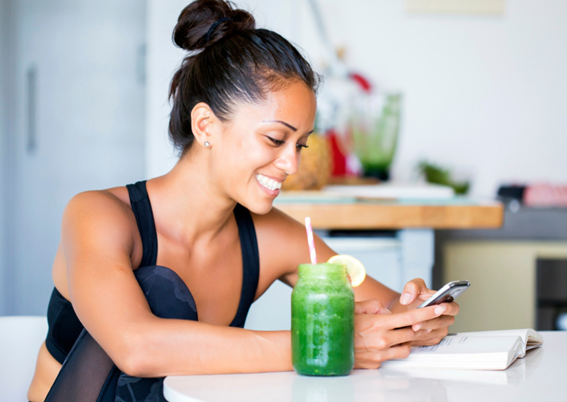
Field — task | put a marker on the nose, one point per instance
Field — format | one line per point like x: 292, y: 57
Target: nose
x: 288, y: 160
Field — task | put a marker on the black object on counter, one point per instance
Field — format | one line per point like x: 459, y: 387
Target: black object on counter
x: 512, y: 192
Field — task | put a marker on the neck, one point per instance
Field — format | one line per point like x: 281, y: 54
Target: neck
x: 190, y: 208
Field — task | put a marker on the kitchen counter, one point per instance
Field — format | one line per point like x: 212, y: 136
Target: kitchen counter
x: 360, y: 213
x: 521, y: 224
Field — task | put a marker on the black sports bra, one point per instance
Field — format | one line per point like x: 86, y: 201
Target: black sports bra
x: 64, y: 325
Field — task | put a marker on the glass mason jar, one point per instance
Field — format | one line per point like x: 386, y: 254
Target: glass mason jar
x: 322, y: 323
x: 375, y: 128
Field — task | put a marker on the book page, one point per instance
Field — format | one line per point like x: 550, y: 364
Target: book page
x: 464, y: 352
x: 531, y: 338
x: 469, y: 346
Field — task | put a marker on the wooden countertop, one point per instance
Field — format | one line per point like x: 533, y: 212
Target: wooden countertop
x: 391, y: 214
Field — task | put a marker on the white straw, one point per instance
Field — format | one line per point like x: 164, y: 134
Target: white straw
x: 310, y: 241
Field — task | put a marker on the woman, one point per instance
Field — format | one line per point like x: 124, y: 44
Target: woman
x: 161, y: 274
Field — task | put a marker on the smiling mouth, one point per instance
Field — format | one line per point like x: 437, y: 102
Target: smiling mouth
x: 270, y: 184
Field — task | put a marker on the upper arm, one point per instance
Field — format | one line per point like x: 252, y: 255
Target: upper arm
x: 283, y: 242
x: 97, y: 242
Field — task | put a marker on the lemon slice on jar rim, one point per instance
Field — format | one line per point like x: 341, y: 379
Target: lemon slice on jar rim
x: 355, y: 269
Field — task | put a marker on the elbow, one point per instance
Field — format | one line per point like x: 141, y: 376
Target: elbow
x: 132, y: 365
x: 132, y: 360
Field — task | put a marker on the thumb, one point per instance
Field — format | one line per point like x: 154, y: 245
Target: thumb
x: 412, y: 289
x: 372, y: 306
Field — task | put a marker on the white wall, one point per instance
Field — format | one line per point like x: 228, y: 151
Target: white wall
x: 4, y: 144
x: 164, y: 59
x: 485, y: 94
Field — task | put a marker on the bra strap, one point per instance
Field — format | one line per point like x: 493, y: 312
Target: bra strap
x: 142, y: 209
x: 250, y: 262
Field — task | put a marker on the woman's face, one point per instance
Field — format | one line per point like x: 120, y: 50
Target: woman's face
x: 261, y: 145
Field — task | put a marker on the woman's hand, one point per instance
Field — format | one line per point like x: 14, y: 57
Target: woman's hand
x: 428, y: 332
x: 380, y: 335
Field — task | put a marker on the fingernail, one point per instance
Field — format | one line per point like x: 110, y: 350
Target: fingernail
x: 384, y: 310
x: 417, y: 326
x: 439, y: 310
x: 405, y: 298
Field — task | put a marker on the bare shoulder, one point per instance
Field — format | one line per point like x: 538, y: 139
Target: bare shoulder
x: 101, y: 216
x: 101, y: 204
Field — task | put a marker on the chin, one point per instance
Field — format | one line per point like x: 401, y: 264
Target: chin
x: 258, y: 208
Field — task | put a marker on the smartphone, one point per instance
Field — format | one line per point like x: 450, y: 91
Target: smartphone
x: 447, y: 293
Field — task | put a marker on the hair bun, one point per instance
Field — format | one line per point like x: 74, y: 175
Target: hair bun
x: 204, y: 22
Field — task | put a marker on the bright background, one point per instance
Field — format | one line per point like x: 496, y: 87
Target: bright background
x: 483, y: 94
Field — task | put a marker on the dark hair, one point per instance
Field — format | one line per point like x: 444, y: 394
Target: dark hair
x: 231, y: 61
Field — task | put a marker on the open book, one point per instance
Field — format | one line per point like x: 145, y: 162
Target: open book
x: 486, y: 350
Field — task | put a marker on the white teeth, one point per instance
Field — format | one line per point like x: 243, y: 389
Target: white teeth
x: 270, y: 184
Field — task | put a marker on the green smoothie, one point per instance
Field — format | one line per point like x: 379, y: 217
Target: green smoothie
x: 322, y: 324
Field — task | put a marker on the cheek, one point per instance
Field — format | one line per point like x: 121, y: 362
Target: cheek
x: 251, y: 155
x: 239, y: 158
x: 230, y: 152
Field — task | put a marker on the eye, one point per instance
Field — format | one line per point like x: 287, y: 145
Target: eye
x: 300, y: 146
x: 276, y: 142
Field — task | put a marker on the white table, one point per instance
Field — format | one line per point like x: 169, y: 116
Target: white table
x: 540, y: 376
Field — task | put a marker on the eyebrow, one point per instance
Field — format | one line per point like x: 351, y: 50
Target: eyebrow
x: 281, y: 122
x: 286, y: 124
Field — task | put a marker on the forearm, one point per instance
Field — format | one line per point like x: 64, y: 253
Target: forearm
x: 178, y: 347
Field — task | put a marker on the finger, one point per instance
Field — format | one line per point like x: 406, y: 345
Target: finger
x: 416, y: 327
x: 372, y: 306
x: 409, y: 293
x: 425, y: 294
x: 451, y: 308
x: 411, y: 317
x: 431, y: 338
x: 443, y: 321
x: 372, y: 342
x: 399, y: 352
x: 401, y: 336
x: 395, y: 352
x: 366, y: 364
x: 411, y: 290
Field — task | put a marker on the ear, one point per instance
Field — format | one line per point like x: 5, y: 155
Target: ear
x: 202, y: 123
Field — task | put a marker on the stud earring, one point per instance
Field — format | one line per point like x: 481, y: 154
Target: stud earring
x: 207, y: 144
